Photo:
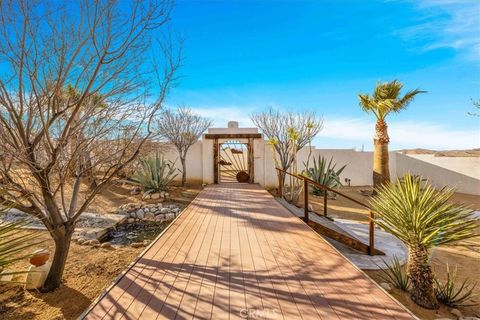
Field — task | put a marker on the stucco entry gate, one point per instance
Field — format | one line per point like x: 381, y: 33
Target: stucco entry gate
x: 233, y: 155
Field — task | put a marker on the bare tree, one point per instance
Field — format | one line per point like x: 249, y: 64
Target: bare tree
x: 46, y: 130
x: 287, y: 132
x: 182, y: 128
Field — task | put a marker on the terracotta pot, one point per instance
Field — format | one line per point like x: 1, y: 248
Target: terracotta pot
x: 39, y: 257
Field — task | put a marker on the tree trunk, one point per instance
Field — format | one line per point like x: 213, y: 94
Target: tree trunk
x: 184, y: 172
x: 381, y: 171
x: 421, y: 277
x: 62, y: 237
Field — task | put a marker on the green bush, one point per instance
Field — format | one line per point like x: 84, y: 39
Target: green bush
x: 396, y: 274
x: 324, y: 174
x: 154, y: 174
x: 452, y: 295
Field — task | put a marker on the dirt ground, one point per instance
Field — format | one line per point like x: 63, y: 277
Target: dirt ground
x: 88, y: 271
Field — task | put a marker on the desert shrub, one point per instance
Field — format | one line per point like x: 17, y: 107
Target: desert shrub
x: 422, y: 218
x: 324, y: 174
x: 154, y: 173
x: 396, y: 274
x: 450, y: 294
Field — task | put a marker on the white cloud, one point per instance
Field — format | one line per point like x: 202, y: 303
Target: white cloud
x: 403, y: 134
x: 447, y: 24
x: 353, y: 132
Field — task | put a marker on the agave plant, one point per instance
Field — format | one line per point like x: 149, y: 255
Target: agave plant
x: 324, y: 174
x: 395, y: 274
x: 422, y: 218
x: 452, y: 295
x: 13, y: 245
x: 154, y: 174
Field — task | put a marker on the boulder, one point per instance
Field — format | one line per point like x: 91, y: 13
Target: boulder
x: 92, y: 242
x: 149, y: 215
x: 106, y: 245
x: 386, y: 286
x: 140, y: 214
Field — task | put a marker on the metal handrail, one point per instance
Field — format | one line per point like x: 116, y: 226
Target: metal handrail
x: 307, y: 181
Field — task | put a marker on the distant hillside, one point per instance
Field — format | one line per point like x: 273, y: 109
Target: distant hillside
x: 444, y: 153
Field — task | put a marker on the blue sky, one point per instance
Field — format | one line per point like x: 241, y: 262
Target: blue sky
x: 244, y: 56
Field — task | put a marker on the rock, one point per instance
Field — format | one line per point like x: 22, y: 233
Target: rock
x: 123, y: 212
x: 146, y: 197
x: 176, y: 210
x: 159, y: 218
x: 386, y: 286
x: 165, y: 210
x: 149, y: 215
x: 96, y: 245
x: 130, y: 220
x: 146, y: 242
x: 106, y: 245
x: 81, y: 240
x: 169, y: 216
x: 140, y: 214
x: 457, y: 313
x: 135, y: 191
x: 136, y: 244
x: 91, y: 242
x: 162, y: 194
x: 204, y: 185
x: 133, y: 214
x: 159, y: 206
x: 155, y: 196
x: 166, y: 195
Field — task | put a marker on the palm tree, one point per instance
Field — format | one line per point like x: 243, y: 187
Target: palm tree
x: 385, y: 99
x: 422, y: 218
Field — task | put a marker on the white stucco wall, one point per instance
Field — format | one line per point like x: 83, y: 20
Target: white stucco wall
x: 460, y: 172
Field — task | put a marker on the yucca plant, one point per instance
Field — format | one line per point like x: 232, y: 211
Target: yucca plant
x: 395, y: 274
x: 422, y: 218
x: 452, y: 295
x: 154, y: 174
x: 14, y: 245
x: 324, y: 174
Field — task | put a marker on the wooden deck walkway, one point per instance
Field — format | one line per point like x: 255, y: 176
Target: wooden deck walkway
x: 236, y: 253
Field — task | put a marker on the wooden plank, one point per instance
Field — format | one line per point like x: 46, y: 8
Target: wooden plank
x: 232, y: 136
x: 216, y: 158
x: 234, y: 253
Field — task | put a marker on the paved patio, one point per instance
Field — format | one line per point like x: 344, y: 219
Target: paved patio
x: 236, y: 253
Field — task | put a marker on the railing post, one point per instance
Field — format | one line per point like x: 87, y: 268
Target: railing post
x: 280, y: 183
x: 371, y: 233
x: 305, y: 198
x: 325, y: 202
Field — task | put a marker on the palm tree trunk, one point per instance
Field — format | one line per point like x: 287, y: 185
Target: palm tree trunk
x: 381, y: 171
x: 421, y: 277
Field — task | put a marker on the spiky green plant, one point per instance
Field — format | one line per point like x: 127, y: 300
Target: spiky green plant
x: 395, y: 274
x: 324, y: 174
x: 154, y: 174
x: 422, y: 218
x: 14, y: 244
x: 452, y: 295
